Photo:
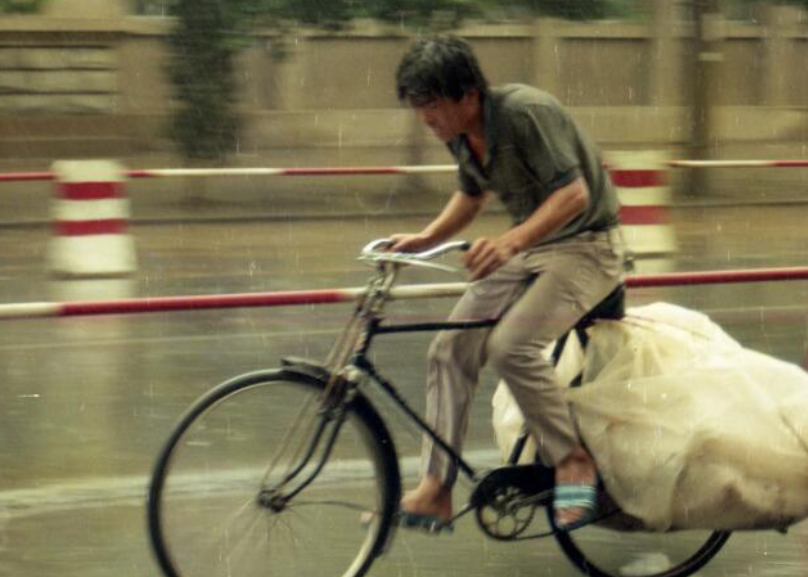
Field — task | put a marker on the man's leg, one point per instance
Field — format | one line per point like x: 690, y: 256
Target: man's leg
x: 573, y: 278
x: 454, y: 362
x: 515, y: 349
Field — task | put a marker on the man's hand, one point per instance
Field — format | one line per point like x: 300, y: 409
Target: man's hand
x: 488, y: 254
x: 410, y: 242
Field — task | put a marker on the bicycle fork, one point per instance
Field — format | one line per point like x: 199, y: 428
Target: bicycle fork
x: 276, y: 498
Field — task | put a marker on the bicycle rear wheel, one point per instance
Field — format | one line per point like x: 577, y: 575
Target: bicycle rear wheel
x: 602, y: 552
x: 209, y: 511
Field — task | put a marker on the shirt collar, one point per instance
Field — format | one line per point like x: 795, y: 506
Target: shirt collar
x: 489, y: 127
x: 461, y: 146
x: 490, y: 123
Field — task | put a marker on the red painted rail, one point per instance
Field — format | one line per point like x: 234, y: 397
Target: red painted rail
x: 293, y: 298
x: 647, y: 177
x: 257, y: 171
x: 26, y: 176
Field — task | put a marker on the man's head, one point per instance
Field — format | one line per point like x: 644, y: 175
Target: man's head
x: 440, y: 77
x: 438, y: 67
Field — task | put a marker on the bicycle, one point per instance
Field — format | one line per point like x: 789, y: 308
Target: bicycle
x: 271, y: 472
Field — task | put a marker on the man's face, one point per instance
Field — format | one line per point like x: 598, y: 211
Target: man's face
x: 446, y: 118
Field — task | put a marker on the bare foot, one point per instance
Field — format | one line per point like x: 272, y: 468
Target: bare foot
x: 578, y: 468
x: 430, y: 497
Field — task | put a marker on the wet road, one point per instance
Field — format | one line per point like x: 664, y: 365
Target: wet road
x: 88, y: 402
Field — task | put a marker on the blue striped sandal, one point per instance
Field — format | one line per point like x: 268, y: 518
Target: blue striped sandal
x: 426, y: 523
x: 575, y: 496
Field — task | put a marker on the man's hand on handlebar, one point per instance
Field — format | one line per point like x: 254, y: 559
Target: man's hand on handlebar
x: 487, y: 255
x: 410, y: 242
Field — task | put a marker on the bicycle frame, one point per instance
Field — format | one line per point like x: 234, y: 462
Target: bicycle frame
x: 361, y: 362
x: 350, y: 353
x: 369, y: 312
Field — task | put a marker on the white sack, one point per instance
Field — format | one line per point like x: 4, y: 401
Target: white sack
x: 689, y: 429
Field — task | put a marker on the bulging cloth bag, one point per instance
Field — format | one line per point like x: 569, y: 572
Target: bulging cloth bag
x: 688, y: 428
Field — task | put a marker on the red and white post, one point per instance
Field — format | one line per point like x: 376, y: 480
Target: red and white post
x: 641, y: 182
x: 91, y: 213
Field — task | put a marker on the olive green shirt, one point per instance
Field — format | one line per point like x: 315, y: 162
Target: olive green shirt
x: 533, y: 148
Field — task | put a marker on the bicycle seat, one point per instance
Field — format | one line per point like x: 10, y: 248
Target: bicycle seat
x: 613, y: 307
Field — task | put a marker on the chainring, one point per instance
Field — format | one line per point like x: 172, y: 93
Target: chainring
x: 505, y: 499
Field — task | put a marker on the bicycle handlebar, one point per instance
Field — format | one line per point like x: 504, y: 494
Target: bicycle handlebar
x: 433, y: 253
x: 372, y: 252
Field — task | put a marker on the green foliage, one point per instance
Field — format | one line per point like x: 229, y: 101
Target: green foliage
x: 744, y: 9
x: 327, y: 14
x: 567, y: 9
x: 339, y: 13
x: 204, y: 42
x: 419, y: 13
x: 800, y: 3
x: 431, y: 13
x: 21, y: 6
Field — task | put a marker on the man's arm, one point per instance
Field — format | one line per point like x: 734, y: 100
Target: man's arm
x: 488, y: 254
x: 557, y: 211
x: 458, y: 213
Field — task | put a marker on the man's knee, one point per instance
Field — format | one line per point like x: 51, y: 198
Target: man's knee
x: 501, y: 350
x: 506, y: 353
x: 457, y: 351
x: 443, y: 348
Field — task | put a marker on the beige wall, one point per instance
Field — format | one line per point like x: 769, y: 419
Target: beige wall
x: 97, y: 86
x: 621, y: 82
x: 100, y: 9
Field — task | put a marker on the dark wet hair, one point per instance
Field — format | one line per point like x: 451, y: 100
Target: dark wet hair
x: 438, y: 67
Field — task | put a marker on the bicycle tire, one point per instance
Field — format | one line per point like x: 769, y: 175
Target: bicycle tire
x: 207, y: 519
x: 621, y: 557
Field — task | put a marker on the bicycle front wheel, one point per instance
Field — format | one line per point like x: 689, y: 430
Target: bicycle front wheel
x: 234, y: 494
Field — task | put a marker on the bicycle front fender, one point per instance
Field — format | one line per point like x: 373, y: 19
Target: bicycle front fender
x: 305, y: 367
x: 384, y: 440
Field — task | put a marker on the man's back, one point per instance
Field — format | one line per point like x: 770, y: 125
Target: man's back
x: 534, y: 147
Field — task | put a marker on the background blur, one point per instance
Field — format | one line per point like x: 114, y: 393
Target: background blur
x: 308, y: 84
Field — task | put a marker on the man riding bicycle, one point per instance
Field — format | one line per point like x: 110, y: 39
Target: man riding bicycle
x: 561, y: 257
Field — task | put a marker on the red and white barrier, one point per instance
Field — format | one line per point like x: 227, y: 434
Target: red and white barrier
x: 641, y: 183
x: 92, y: 210
x: 377, y: 170
x: 91, y: 213
x: 796, y: 163
x: 328, y: 171
x: 345, y: 295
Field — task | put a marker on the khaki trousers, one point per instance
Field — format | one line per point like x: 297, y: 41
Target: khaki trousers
x: 539, y: 295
